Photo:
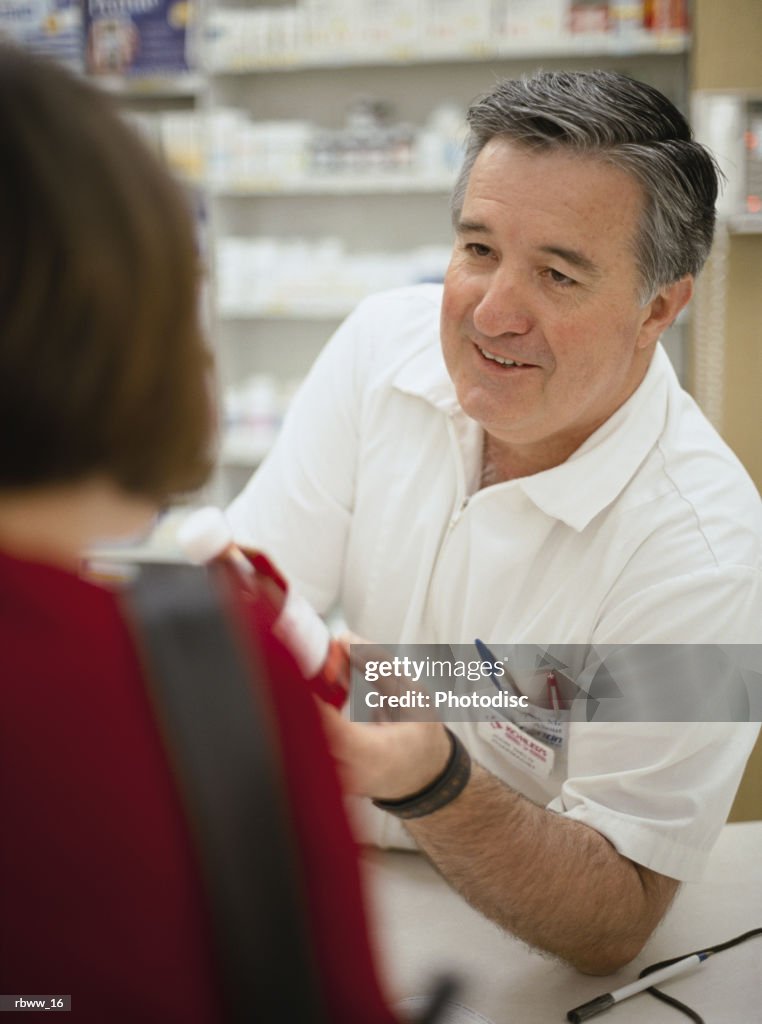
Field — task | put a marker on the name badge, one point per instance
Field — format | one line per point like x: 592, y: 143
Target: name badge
x: 545, y: 725
x: 519, y: 746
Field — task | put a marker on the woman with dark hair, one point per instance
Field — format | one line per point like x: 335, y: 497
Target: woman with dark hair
x: 105, y: 414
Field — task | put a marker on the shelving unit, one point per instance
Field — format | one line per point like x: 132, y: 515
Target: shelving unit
x: 636, y: 43
x: 153, y: 87
x: 745, y: 224
x: 317, y: 185
x: 729, y: 122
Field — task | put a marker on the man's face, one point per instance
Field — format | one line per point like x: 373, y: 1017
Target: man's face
x: 543, y: 273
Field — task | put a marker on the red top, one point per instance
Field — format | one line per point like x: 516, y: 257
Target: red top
x: 100, y: 895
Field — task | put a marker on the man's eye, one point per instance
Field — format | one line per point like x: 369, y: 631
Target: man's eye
x: 477, y: 249
x: 558, y: 278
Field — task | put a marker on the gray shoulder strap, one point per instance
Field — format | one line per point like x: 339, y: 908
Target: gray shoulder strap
x: 215, y: 721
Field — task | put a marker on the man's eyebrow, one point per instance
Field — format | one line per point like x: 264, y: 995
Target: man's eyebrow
x: 469, y: 226
x: 571, y: 256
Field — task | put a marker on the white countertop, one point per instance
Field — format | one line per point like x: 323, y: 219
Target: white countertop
x: 424, y: 929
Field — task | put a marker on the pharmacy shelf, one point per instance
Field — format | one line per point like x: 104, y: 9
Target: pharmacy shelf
x: 111, y: 560
x: 285, y: 311
x: 626, y: 44
x: 157, y: 87
x: 239, y: 450
x: 746, y: 224
x: 335, y: 185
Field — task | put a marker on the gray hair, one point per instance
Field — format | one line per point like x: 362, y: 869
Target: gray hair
x: 628, y: 124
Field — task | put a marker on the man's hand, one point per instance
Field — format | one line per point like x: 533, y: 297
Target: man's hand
x: 387, y: 760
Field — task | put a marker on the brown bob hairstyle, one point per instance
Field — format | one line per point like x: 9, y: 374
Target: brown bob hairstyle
x: 103, y: 369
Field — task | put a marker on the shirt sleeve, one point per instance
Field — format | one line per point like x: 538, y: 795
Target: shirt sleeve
x: 660, y: 791
x: 297, y: 507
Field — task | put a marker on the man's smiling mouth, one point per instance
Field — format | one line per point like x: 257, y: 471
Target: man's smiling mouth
x: 500, y: 359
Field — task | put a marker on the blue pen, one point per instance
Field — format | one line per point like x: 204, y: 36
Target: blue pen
x: 486, y: 655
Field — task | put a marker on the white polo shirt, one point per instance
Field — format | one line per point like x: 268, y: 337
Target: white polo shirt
x: 651, y: 532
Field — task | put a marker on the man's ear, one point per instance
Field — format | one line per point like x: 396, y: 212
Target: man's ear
x: 662, y: 310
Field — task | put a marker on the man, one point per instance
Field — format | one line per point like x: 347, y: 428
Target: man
x: 513, y: 459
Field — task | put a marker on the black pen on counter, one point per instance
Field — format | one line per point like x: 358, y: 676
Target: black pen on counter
x: 609, y: 999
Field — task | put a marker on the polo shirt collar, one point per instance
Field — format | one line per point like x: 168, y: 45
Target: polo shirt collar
x: 598, y: 471
x: 425, y: 375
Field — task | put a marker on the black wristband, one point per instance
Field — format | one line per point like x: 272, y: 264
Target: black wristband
x: 438, y: 793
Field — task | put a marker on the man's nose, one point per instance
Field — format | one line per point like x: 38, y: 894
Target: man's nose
x: 502, y: 308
